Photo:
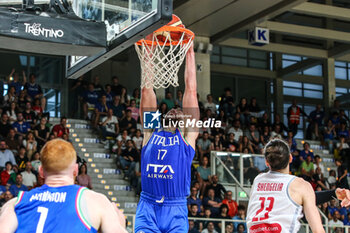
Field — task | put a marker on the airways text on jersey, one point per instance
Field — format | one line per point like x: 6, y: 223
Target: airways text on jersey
x: 159, y: 171
x: 165, y: 141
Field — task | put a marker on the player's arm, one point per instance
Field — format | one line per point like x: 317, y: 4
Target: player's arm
x: 190, y: 102
x: 148, y: 102
x: 8, y: 218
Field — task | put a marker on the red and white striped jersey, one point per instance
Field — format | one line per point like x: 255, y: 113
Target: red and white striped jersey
x: 270, y: 208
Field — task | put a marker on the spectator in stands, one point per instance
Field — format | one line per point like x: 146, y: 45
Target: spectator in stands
x: 10, y: 97
x: 343, y: 149
x: 29, y: 115
x: 212, y: 202
x: 264, y: 137
x: 90, y: 99
x: 263, y: 122
x: 347, y: 219
x: 169, y: 100
x: 276, y: 132
x: 219, y: 189
x: 128, y: 158
x: 210, y: 228
x: 21, y: 158
x: 236, y: 130
x: 6, y: 174
x: 294, y: 113
x: 4, y: 125
x: 22, y: 100
x: 216, y: 144
x: 331, y: 180
x: 83, y: 178
x: 330, y: 135
x: 12, y: 112
x: 316, y: 122
x: 342, y: 171
x: 193, y: 199
x: 343, y: 131
x: 231, y: 204
x: 203, y: 174
x: 124, y: 98
x: 343, y: 118
x: 109, y: 94
x: 253, y: 135
x: 101, y: 109
x: 206, y: 214
x: 29, y: 179
x: 223, y: 214
x: 335, y: 222
x: 193, y: 211
x: 34, y: 90
x: 241, y: 228
x: 60, y: 129
x: 135, y: 112
x: 30, y: 144
x: 116, y: 87
x: 137, y: 139
x: 36, y: 163
x: 319, y: 164
x: 109, y: 126
x: 335, y: 108
x: 121, y: 141
x: 13, y: 81
x: 229, y: 227
x: 304, y: 153
x: 21, y: 127
x: 136, y: 176
x: 128, y: 123
x: 203, y: 145
x: 318, y: 178
x: 11, y: 141
x: 98, y: 88
x: 118, y: 108
x: 254, y: 108
x: 210, y: 104
x: 42, y: 132
x: 243, y: 109
x: 227, y: 103
x: 192, y: 227
x: 280, y: 123
x: 7, y: 195
x: 246, y: 144
x: 37, y: 109
x: 5, y: 155
x: 18, y: 186
x: 307, y: 168
x: 241, y: 215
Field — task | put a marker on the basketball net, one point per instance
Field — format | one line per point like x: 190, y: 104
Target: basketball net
x: 161, y: 56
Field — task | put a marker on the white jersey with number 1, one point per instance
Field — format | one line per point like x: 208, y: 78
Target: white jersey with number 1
x: 270, y: 208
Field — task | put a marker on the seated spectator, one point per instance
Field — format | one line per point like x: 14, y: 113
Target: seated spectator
x: 121, y: 142
x: 30, y: 144
x: 7, y: 195
x: 319, y: 164
x: 38, y: 110
x: 4, y: 125
x: 6, y: 174
x: 246, y: 144
x: 212, y: 202
x: 210, y: 104
x: 60, y: 129
x: 329, y: 135
x: 109, y: 126
x: 203, y: 174
x: 335, y: 222
x: 10, y: 97
x: 342, y: 171
x: 204, y: 145
x: 241, y: 215
x: 254, y: 108
x: 253, y: 135
x: 243, y: 109
x: 304, y: 153
x: 21, y: 158
x: 216, y: 144
x: 5, y: 155
x: 231, y: 204
x: 90, y: 99
x: 83, y: 178
x: 135, y: 177
x: 135, y: 112
x: 98, y: 88
x: 12, y: 142
x: 229, y: 227
x: 109, y: 94
x: 332, y: 208
x: 42, y: 132
x: 227, y: 103
x: 210, y: 228
x: 168, y: 100
x: 347, y: 220
x: 29, y: 115
x: 241, y: 228
x: 18, y: 186
x: 128, y: 123
x: 194, y: 200
x: 21, y: 126
x: 280, y: 123
x: 193, y: 211
x: 264, y: 137
x: 192, y: 227
x: 236, y: 130
x: 34, y: 90
x: 12, y: 112
x: 231, y: 144
x: 138, y: 139
x: 219, y: 189
x: 263, y: 122
x: 118, y: 108
x: 343, y: 131
x: 307, y: 168
x: 29, y: 179
x: 23, y: 98
x: 116, y: 86
x: 343, y: 149
x: 36, y: 163
x: 331, y: 180
x: 124, y: 98
x: 101, y: 109
x: 316, y: 122
x: 223, y: 214
x: 276, y: 132
x: 128, y: 158
x: 318, y: 178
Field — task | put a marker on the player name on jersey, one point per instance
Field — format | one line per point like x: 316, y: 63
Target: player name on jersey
x: 269, y: 187
x: 57, y: 197
x: 165, y: 141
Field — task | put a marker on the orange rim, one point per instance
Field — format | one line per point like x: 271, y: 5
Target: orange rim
x: 189, y: 36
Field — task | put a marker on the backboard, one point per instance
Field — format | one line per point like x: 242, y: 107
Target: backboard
x: 127, y: 21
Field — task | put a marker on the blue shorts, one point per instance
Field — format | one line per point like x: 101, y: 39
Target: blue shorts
x: 169, y: 216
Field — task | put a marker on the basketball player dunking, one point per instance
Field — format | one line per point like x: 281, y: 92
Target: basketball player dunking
x: 277, y: 198
x: 59, y: 205
x: 166, y: 159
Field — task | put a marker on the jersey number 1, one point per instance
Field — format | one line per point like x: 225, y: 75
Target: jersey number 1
x: 262, y: 208
x: 43, y: 215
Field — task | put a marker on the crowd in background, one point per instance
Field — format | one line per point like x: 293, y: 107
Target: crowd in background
x: 114, y: 113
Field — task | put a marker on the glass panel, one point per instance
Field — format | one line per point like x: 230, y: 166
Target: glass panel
x: 216, y: 49
x: 257, y: 54
x: 23, y: 60
x: 215, y: 59
x: 234, y: 61
x: 235, y: 52
x: 340, y: 73
x: 291, y: 57
x: 300, y: 134
x: 338, y: 63
x: 292, y: 84
x: 341, y: 90
x: 287, y: 63
x: 313, y: 94
x: 315, y: 71
x: 292, y: 91
x: 313, y: 86
x: 308, y: 109
x: 258, y: 64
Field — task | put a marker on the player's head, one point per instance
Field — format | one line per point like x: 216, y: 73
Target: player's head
x: 174, y: 115
x: 58, y: 157
x: 277, y: 154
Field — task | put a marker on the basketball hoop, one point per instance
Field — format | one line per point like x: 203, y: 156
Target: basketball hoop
x: 162, y: 53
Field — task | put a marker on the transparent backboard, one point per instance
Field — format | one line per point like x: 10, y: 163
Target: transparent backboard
x: 127, y: 21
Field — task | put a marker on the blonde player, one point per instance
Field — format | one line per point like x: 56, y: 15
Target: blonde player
x: 59, y: 205
x: 277, y: 198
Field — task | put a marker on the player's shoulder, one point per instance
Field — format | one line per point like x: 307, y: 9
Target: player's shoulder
x: 89, y: 194
x: 300, y: 186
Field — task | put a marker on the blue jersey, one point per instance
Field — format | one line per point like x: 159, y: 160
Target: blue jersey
x: 166, y: 165
x: 51, y: 210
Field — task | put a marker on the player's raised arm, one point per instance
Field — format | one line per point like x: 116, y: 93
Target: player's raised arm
x: 8, y: 218
x: 190, y: 101
x: 148, y: 102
